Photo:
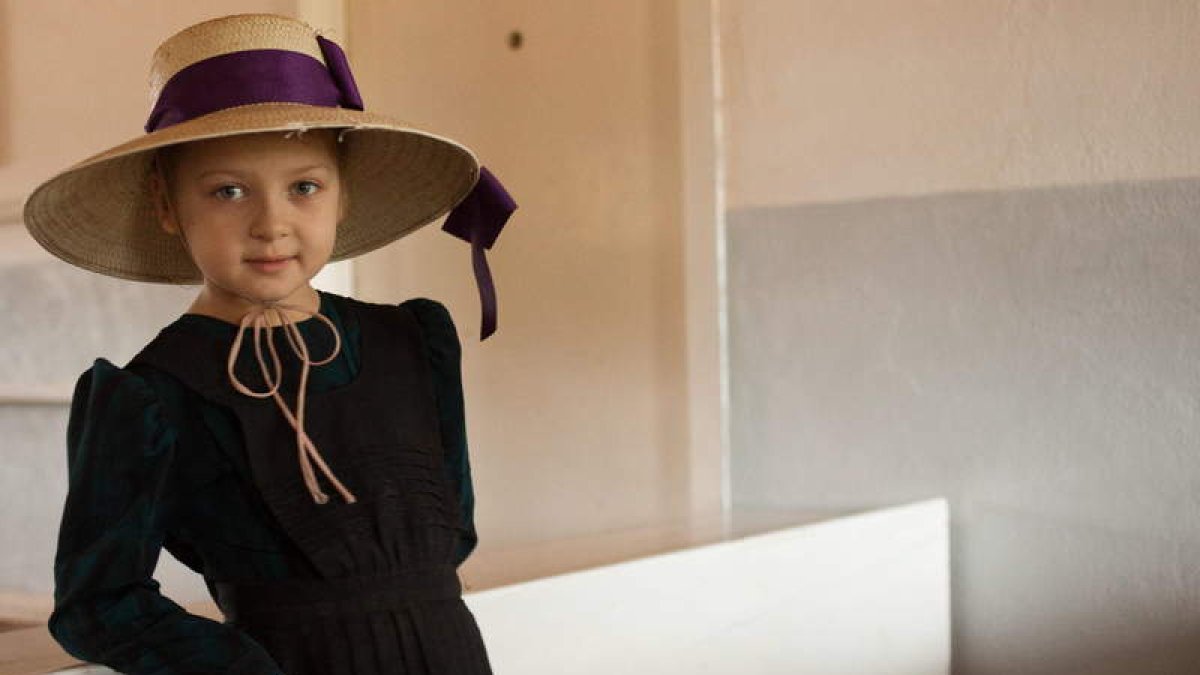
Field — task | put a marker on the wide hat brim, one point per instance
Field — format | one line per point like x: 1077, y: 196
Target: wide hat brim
x: 97, y: 215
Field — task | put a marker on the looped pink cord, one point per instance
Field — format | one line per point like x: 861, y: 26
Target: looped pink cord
x: 258, y: 320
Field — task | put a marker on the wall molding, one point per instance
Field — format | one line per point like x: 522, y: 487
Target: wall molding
x: 16, y: 246
x: 44, y: 394
x: 702, y: 210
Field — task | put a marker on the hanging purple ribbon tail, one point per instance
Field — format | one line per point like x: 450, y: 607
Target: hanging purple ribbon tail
x: 478, y: 219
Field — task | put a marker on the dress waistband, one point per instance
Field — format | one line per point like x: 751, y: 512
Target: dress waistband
x: 295, y: 601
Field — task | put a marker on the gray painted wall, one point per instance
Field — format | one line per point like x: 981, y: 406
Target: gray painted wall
x: 1032, y: 355
x: 56, y: 320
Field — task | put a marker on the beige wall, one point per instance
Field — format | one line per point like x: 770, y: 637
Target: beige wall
x: 837, y: 100
x: 576, y: 408
x: 963, y: 255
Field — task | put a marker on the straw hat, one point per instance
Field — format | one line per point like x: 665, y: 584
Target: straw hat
x: 246, y: 74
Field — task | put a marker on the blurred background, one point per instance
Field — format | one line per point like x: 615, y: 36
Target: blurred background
x: 790, y: 254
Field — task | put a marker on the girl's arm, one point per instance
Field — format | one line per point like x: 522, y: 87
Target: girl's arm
x: 108, y: 609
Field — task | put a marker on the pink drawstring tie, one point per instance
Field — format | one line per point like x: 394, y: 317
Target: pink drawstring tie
x: 257, y: 319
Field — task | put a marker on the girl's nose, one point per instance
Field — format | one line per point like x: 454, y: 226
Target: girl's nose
x: 271, y: 220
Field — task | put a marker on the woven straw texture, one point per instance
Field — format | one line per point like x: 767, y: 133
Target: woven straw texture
x: 226, y: 36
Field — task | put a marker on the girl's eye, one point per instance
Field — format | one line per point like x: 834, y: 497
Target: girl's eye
x: 306, y: 188
x: 229, y: 192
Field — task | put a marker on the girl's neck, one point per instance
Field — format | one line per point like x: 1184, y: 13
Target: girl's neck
x: 220, y: 304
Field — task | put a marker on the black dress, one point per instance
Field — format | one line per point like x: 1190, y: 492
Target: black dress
x: 370, y: 587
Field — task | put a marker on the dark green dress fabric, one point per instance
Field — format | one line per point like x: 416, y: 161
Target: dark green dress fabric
x: 153, y: 465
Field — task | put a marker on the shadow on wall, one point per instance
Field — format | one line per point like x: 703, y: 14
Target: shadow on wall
x: 1096, y: 595
x: 1166, y: 657
x: 1169, y: 656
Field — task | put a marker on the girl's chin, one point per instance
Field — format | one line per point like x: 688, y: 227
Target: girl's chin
x: 296, y: 293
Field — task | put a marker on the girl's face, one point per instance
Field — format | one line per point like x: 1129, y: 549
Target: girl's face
x: 258, y: 214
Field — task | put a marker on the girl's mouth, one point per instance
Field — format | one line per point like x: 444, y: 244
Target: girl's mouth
x: 269, y: 264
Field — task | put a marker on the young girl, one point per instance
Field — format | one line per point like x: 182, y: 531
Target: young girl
x: 304, y: 452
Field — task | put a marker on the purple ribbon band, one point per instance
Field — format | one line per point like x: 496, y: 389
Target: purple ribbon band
x: 256, y: 76
x: 478, y: 218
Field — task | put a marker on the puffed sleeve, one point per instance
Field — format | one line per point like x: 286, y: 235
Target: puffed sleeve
x: 445, y: 356
x: 107, y: 608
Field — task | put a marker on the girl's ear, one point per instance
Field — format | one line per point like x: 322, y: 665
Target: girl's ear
x: 161, y: 201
